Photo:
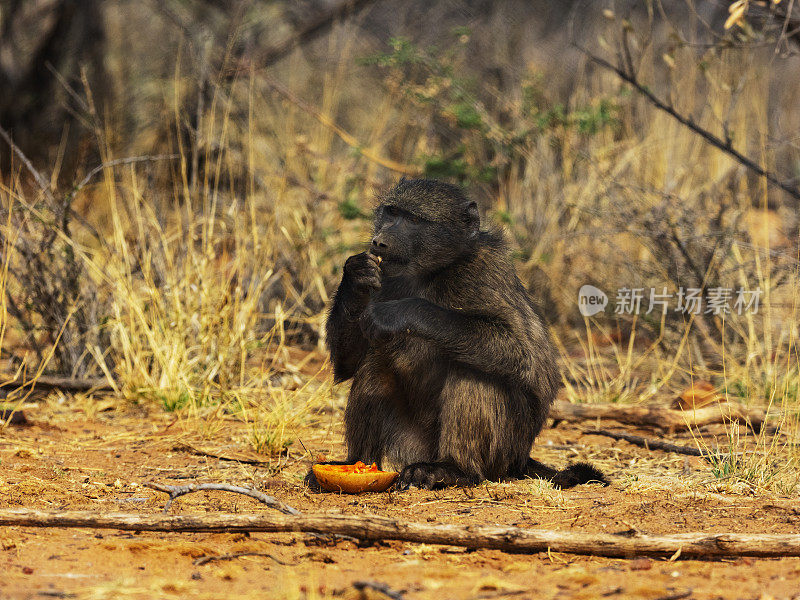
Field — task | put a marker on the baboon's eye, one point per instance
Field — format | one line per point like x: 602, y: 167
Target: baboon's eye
x: 391, y: 211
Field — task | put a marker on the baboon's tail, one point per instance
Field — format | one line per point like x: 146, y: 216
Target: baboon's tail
x: 574, y: 474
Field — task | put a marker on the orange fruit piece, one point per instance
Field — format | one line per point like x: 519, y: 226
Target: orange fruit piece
x: 353, y: 479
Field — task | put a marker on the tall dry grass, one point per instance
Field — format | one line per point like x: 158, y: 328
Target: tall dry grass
x: 211, y: 264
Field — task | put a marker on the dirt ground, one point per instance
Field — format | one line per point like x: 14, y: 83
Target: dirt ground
x: 81, y: 459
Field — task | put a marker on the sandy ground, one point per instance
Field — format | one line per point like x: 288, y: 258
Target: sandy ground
x: 90, y: 460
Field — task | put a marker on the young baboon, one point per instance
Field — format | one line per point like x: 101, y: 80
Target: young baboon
x: 453, y: 371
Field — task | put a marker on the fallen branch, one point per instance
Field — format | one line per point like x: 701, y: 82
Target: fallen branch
x: 649, y: 444
x: 68, y: 384
x: 373, y: 528
x: 176, y: 491
x: 207, y: 559
x: 184, y: 447
x: 676, y: 595
x: 656, y: 416
x: 378, y: 587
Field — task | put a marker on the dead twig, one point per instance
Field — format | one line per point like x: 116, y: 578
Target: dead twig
x: 67, y: 384
x: 184, y: 447
x: 121, y: 161
x: 648, y: 443
x: 373, y: 528
x: 501, y: 593
x: 207, y: 559
x: 37, y: 176
x: 676, y: 595
x: 378, y: 587
x: 176, y: 491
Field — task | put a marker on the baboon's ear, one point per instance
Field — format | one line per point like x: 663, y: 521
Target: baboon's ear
x: 473, y: 219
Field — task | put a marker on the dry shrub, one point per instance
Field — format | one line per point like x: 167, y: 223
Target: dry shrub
x: 207, y: 266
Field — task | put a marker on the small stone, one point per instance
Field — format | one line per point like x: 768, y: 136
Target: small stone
x: 641, y: 564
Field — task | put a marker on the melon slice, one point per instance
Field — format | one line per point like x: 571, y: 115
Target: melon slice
x: 353, y: 479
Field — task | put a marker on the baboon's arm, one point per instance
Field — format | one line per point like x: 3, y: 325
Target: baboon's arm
x: 487, y: 343
x: 345, y: 340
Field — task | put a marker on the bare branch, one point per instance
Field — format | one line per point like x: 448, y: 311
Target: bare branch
x: 378, y: 587
x: 67, y: 384
x: 207, y: 559
x: 175, y: 491
x: 648, y: 443
x: 184, y: 447
x: 69, y: 89
x: 122, y: 161
x: 714, y: 140
x: 311, y: 29
x: 40, y: 180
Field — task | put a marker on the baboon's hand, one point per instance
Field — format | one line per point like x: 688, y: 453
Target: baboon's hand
x: 363, y: 273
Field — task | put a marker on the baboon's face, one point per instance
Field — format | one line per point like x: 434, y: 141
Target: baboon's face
x: 396, y: 238
x: 412, y: 244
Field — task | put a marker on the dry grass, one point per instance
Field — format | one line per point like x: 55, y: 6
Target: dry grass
x: 206, y: 276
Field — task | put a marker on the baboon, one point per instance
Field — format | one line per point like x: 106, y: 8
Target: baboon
x: 453, y: 371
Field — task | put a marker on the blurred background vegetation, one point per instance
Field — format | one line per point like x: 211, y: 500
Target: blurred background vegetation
x: 182, y: 180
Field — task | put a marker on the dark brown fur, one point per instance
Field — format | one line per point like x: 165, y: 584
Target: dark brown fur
x: 453, y: 371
